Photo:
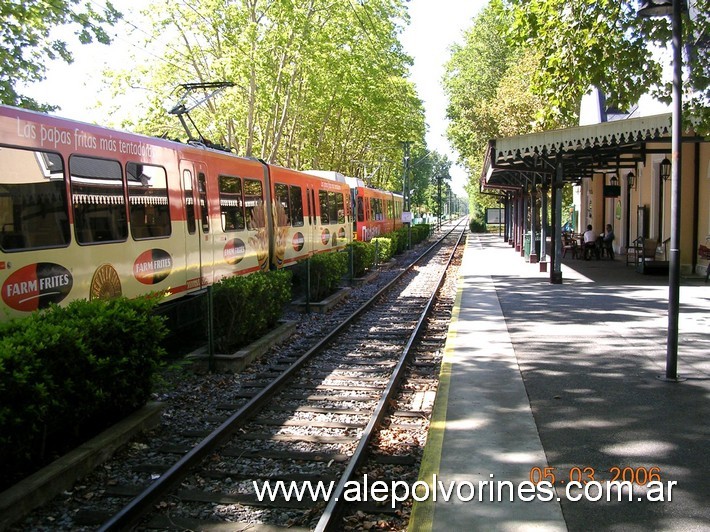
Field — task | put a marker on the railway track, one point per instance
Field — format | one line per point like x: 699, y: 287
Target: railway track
x: 313, y: 417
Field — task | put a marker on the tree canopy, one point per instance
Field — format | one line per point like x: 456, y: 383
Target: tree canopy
x: 26, y: 45
x: 526, y: 64
x: 317, y: 84
x: 605, y: 43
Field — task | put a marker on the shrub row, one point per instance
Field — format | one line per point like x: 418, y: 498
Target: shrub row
x: 247, y: 306
x: 69, y: 372
x: 391, y: 244
x: 477, y: 226
x: 363, y: 257
x: 327, y: 272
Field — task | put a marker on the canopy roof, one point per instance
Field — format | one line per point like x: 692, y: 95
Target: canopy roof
x: 512, y: 162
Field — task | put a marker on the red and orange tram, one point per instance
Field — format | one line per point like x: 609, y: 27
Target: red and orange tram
x: 376, y: 211
x: 89, y: 212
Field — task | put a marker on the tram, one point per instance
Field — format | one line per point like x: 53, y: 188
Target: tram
x: 90, y: 212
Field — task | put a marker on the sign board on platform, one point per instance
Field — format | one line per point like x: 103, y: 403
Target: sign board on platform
x: 495, y: 215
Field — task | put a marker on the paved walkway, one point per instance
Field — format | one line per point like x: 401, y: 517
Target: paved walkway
x: 565, y: 376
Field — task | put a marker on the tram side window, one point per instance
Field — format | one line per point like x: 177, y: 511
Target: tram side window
x: 296, y: 206
x: 231, y: 203
x: 204, y: 211
x: 254, y: 203
x: 190, y: 218
x: 148, y: 201
x: 377, y: 208
x: 98, y: 200
x: 324, y: 211
x: 360, y: 209
x: 283, y: 208
x: 340, y: 208
x: 333, y: 207
x: 33, y: 206
x: 390, y: 210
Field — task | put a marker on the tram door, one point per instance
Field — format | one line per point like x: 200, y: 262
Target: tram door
x: 312, y: 219
x: 193, y: 226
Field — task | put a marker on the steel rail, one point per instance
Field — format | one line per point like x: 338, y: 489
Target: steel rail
x: 330, y: 518
x: 132, y: 512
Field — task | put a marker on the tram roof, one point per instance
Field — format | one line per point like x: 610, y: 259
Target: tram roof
x: 510, y: 163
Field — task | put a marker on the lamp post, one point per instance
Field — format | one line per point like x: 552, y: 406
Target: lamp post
x: 406, y: 215
x: 654, y: 8
x: 438, y: 212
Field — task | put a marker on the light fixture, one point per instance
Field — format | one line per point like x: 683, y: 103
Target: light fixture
x: 655, y: 8
x: 630, y: 180
x: 614, y: 181
x: 665, y: 169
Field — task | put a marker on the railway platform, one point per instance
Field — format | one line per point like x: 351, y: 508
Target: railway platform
x: 561, y: 383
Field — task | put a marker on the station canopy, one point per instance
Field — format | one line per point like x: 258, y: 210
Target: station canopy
x: 511, y: 163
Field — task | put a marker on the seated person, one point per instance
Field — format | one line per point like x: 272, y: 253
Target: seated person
x: 607, y: 240
x: 590, y: 242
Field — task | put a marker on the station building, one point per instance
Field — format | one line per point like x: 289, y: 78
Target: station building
x: 619, y: 167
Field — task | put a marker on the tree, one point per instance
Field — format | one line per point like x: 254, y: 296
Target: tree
x: 604, y: 43
x: 25, y: 47
x: 318, y: 84
x: 471, y: 81
x: 487, y: 80
x: 439, y: 181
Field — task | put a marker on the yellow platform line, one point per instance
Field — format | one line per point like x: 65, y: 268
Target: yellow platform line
x: 422, y: 516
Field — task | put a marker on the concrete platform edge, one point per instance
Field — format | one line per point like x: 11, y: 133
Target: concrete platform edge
x: 422, y: 517
x: 45, y: 484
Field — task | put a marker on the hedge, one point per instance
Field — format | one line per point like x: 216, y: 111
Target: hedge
x: 67, y: 373
x: 386, y: 246
x: 327, y: 272
x: 391, y: 244
x: 363, y: 257
x: 247, y: 306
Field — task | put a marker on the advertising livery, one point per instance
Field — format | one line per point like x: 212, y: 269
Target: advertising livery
x: 88, y: 212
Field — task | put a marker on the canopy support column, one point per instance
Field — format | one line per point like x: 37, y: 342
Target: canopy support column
x: 543, y: 226
x: 556, y: 270
x: 534, y: 257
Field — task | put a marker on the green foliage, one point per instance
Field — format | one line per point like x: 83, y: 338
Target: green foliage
x: 488, y: 81
x: 437, y: 188
x: 605, y: 43
x: 525, y: 65
x: 477, y: 225
x: 25, y: 48
x: 386, y: 246
x: 327, y: 271
x: 247, y: 306
x: 70, y: 371
x: 399, y: 238
x: 317, y: 84
x: 363, y: 257
x: 420, y: 232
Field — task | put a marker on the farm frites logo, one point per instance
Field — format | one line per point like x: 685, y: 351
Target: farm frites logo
x: 298, y: 241
x: 36, y: 286
x: 234, y: 251
x: 152, y: 266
